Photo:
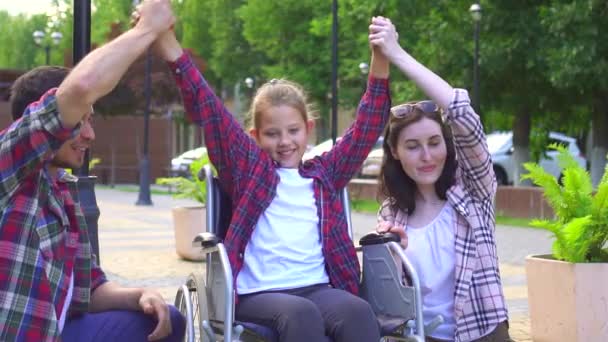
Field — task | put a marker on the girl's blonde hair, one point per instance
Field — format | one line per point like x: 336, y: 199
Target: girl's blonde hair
x: 279, y: 92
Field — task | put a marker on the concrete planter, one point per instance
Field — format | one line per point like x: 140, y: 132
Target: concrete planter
x: 187, y: 223
x: 568, y: 302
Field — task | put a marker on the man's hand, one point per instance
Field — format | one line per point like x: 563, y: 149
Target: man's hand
x: 155, y: 15
x: 388, y: 227
x: 151, y: 303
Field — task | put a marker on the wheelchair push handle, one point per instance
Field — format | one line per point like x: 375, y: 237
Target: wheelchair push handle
x: 206, y: 240
x: 377, y: 239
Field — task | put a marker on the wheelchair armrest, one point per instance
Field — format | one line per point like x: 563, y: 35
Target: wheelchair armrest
x: 377, y: 239
x: 206, y: 240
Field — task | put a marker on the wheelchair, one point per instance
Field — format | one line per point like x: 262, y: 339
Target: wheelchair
x: 207, y: 299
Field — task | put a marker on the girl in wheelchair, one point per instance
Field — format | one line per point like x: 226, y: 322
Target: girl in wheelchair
x: 294, y: 265
x: 439, y: 185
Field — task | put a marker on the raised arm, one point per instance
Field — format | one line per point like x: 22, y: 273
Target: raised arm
x: 50, y: 121
x: 99, y: 72
x: 432, y: 85
x: 346, y: 158
x: 469, y: 138
x: 229, y: 147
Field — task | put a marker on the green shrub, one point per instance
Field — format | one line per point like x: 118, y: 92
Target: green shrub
x: 580, y: 226
x: 194, y: 188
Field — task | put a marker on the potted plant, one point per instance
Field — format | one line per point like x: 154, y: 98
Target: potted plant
x: 188, y: 221
x: 567, y: 290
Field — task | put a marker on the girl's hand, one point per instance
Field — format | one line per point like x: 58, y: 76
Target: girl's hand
x: 384, y: 37
x: 389, y: 227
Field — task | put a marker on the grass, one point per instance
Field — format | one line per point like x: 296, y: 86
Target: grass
x: 514, y: 221
x: 371, y: 207
x: 365, y: 206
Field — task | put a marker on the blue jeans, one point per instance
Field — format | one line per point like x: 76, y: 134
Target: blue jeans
x: 120, y: 325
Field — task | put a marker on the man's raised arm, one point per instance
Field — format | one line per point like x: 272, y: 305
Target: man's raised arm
x: 99, y: 72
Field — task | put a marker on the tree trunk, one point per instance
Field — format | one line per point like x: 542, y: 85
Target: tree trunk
x: 521, y: 144
x: 599, y: 129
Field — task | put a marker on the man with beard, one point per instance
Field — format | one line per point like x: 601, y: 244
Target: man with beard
x: 51, y: 288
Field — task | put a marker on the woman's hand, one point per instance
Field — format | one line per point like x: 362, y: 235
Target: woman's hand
x: 389, y: 227
x: 383, y: 36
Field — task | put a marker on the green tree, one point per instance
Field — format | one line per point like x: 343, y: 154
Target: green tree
x: 16, y: 33
x: 513, y: 68
x: 106, y: 13
x: 576, y: 47
x: 193, y: 30
x: 282, y: 31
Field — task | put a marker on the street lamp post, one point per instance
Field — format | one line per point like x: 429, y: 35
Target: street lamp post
x: 334, y: 71
x: 40, y: 41
x: 86, y: 183
x: 249, y: 83
x: 364, y: 68
x: 144, y: 164
x: 475, y: 11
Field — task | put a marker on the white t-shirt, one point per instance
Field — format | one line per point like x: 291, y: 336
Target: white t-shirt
x: 285, y: 249
x: 431, y: 251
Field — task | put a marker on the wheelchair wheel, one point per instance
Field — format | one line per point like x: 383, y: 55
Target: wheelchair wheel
x: 191, y: 302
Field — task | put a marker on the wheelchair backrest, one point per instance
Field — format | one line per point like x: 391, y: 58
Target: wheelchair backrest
x: 219, y: 206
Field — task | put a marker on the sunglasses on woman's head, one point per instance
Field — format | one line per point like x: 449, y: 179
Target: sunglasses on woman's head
x: 403, y: 110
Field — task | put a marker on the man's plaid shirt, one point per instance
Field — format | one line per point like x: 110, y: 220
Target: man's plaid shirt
x: 248, y: 174
x: 43, y: 234
x: 479, y: 304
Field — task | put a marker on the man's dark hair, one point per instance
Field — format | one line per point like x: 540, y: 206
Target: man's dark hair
x: 30, y: 86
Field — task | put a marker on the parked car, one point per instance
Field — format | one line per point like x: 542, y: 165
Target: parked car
x: 180, y: 165
x: 372, y: 164
x: 500, y: 145
x: 319, y: 149
x: 327, y: 144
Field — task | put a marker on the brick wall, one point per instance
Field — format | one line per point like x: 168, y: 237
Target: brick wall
x: 119, y: 144
x: 5, y: 115
x: 524, y: 202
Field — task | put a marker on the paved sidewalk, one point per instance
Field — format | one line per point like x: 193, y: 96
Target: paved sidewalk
x: 137, y: 248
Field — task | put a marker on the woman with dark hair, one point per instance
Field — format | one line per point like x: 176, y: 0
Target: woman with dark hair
x: 439, y: 186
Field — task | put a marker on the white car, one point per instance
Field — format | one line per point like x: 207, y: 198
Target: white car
x: 327, y: 144
x: 319, y: 149
x: 372, y: 164
x: 500, y: 145
x: 180, y: 165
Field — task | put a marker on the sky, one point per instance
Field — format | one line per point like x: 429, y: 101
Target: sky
x: 25, y: 6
